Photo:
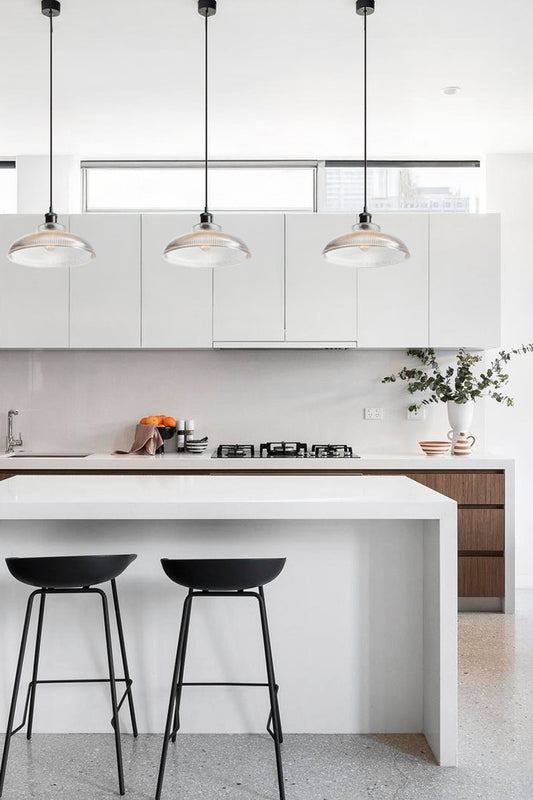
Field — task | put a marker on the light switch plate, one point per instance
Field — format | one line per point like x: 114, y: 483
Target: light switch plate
x: 374, y: 413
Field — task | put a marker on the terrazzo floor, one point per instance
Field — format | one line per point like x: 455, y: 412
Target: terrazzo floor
x: 495, y: 746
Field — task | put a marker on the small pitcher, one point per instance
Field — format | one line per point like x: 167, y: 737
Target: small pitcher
x: 462, y: 446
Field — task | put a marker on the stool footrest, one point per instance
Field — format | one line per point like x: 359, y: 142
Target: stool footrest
x: 127, y: 681
x: 221, y: 683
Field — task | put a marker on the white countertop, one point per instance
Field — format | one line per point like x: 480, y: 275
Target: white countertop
x: 187, y: 461
x: 219, y: 497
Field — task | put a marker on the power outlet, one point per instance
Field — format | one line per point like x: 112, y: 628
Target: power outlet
x: 416, y: 415
x: 374, y: 413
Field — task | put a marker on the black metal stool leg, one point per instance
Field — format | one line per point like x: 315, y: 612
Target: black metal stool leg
x: 269, y: 720
x: 173, y: 693
x: 16, y: 687
x: 33, y: 687
x: 124, y: 657
x: 272, y: 691
x: 113, y: 688
x: 176, y: 723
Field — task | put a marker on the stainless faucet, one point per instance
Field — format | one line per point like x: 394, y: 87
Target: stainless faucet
x: 11, y: 442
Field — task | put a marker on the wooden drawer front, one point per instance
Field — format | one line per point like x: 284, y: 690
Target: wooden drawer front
x: 466, y: 488
x: 481, y: 576
x: 481, y: 529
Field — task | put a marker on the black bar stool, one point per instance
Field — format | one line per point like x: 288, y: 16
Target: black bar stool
x: 70, y: 575
x: 222, y: 578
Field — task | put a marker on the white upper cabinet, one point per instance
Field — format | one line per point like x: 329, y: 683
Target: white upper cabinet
x: 177, y: 302
x: 464, y: 295
x: 321, y: 298
x: 34, y: 301
x: 249, y: 298
x: 105, y: 294
x: 393, y: 301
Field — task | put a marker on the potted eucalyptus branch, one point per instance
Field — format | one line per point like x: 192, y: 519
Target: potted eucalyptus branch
x: 458, y: 386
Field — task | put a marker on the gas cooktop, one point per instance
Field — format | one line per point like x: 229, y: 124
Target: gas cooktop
x: 284, y: 450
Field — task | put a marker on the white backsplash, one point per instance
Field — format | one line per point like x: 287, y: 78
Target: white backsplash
x: 91, y: 400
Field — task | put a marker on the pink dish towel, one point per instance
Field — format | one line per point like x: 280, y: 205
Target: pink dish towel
x: 147, y: 440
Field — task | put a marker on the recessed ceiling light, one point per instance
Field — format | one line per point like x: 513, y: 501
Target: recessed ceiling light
x: 450, y: 90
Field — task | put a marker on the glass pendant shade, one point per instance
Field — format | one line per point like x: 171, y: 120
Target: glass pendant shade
x: 206, y: 246
x: 366, y: 246
x: 51, y: 246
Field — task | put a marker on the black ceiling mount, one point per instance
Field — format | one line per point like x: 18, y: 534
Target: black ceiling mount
x: 365, y: 7
x: 51, y: 8
x: 207, y: 8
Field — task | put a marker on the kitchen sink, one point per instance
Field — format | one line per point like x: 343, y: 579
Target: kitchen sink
x: 49, y: 455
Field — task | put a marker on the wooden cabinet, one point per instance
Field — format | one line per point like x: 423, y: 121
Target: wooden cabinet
x: 249, y: 299
x: 480, y: 527
x: 481, y: 576
x: 392, y: 302
x: 34, y: 302
x: 481, y: 530
x: 464, y: 292
x: 105, y: 295
x: 177, y: 302
x: 466, y: 488
x: 321, y: 298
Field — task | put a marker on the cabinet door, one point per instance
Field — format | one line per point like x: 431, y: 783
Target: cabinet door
x: 464, y: 268
x: 33, y: 301
x: 105, y: 295
x: 176, y: 301
x: 321, y: 298
x: 392, y: 302
x: 249, y: 298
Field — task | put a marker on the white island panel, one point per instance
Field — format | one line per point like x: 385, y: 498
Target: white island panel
x: 363, y: 618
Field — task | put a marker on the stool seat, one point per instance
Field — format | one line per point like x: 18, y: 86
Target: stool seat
x: 222, y: 574
x: 68, y: 572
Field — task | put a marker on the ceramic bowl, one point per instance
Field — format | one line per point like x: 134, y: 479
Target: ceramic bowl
x: 435, y: 448
x: 166, y: 432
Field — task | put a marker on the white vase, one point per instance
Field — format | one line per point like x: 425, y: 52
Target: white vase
x: 460, y: 418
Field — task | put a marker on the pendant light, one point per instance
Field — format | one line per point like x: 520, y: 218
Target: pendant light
x: 207, y: 245
x: 51, y: 245
x: 366, y: 245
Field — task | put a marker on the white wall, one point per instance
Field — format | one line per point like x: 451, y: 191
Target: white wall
x: 509, y: 430
x: 91, y: 400
x: 33, y: 184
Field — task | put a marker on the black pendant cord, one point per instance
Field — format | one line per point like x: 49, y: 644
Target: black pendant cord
x: 365, y: 210
x: 206, y: 110
x: 51, y: 119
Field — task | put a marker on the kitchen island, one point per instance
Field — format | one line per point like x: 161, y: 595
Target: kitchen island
x: 363, y: 618
x: 482, y: 485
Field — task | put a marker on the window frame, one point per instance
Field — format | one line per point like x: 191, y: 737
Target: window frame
x: 319, y: 176
x: 195, y: 164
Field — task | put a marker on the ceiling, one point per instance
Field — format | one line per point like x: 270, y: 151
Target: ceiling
x: 286, y: 79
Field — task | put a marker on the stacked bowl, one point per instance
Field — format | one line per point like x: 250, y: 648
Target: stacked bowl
x: 435, y: 448
x: 196, y: 445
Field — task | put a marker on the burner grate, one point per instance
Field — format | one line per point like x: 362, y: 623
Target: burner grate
x: 283, y: 450
x: 331, y: 451
x: 235, y: 451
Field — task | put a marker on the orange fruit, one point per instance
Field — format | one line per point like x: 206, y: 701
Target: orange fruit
x: 150, y: 421
x: 169, y: 422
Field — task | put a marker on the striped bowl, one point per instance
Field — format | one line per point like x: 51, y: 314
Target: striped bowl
x: 435, y: 448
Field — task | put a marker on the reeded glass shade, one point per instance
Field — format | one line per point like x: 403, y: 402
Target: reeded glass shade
x: 366, y: 246
x: 51, y: 246
x: 206, y: 246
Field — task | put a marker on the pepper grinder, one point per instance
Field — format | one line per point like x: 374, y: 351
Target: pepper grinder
x: 180, y: 435
x: 189, y: 430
